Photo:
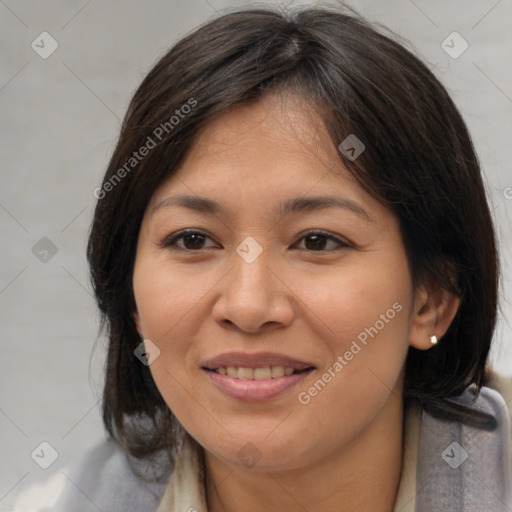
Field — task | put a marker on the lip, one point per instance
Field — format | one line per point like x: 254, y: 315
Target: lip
x: 256, y: 360
x: 253, y: 391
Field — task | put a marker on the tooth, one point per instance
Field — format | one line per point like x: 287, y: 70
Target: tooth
x: 277, y: 371
x: 245, y: 373
x: 262, y: 373
x: 232, y: 371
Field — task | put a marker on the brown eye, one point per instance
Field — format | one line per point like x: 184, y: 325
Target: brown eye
x: 317, y: 241
x: 190, y: 241
x: 193, y: 241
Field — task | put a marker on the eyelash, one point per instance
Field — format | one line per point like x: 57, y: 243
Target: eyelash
x: 170, y: 243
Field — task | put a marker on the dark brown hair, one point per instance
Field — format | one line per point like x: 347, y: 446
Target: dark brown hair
x: 419, y: 161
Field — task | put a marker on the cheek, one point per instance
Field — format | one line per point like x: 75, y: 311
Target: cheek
x: 165, y: 296
x: 362, y: 318
x: 170, y: 304
x: 351, y: 303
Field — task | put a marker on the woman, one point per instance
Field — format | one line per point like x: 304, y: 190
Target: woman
x: 294, y: 257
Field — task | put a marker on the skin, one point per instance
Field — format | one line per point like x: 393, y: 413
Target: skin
x: 342, y: 450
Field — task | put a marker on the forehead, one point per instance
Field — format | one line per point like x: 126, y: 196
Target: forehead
x: 281, y: 122
x: 278, y: 141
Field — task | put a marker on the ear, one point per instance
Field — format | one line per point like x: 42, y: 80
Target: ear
x: 137, y: 324
x: 434, y: 310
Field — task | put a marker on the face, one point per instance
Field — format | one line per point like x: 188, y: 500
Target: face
x: 255, y: 276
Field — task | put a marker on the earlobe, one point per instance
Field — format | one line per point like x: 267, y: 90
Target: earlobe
x: 434, y: 310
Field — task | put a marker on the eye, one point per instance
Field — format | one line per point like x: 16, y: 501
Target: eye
x: 192, y: 241
x: 317, y: 240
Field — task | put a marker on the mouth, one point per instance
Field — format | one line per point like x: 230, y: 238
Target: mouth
x: 255, y: 377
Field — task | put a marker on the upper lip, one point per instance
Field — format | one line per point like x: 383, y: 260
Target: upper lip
x: 256, y: 360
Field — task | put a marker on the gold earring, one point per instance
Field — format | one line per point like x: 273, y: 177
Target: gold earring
x: 433, y: 339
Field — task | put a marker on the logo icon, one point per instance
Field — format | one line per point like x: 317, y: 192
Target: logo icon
x: 454, y: 45
x: 351, y: 147
x: 44, y: 455
x: 44, y: 250
x: 454, y: 455
x: 146, y: 352
x: 44, y: 45
x: 249, y: 455
x: 249, y: 250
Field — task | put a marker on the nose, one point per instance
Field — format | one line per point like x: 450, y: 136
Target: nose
x: 254, y: 296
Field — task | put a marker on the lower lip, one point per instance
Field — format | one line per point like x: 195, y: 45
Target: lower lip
x: 248, y: 390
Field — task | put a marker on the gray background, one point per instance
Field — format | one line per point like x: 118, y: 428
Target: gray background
x: 60, y: 120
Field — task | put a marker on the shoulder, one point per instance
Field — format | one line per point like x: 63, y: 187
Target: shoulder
x: 104, y: 478
x: 503, y: 385
x: 459, y: 462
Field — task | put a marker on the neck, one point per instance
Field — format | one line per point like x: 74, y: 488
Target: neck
x: 364, y: 476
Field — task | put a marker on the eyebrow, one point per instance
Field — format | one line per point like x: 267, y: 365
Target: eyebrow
x: 294, y: 205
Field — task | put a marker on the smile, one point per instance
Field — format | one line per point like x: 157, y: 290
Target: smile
x: 255, y: 377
